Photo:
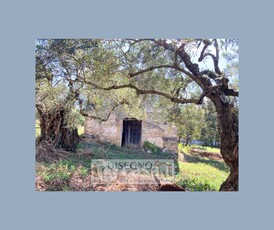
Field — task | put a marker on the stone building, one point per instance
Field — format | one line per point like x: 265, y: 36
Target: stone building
x: 127, y: 131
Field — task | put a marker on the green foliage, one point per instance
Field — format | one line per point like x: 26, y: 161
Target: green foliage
x: 209, y: 132
x: 151, y: 146
x: 196, y: 123
x: 61, y: 171
x: 108, y: 63
x: 189, y: 121
x: 74, y: 119
x: 70, y: 74
x: 50, y: 99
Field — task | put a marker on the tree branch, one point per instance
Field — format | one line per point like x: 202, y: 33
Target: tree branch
x: 149, y: 69
x: 231, y: 92
x: 175, y: 65
x: 206, y: 44
x: 214, y: 58
x: 76, y: 95
x: 208, y: 91
x: 223, y: 81
x: 141, y: 91
x: 193, y: 72
x: 86, y: 114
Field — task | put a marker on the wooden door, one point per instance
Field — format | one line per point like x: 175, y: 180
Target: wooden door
x: 131, y: 136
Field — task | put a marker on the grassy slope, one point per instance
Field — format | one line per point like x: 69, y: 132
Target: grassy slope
x: 202, y: 174
x: 196, y: 174
x: 206, y: 148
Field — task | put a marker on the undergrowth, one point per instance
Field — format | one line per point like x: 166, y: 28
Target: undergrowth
x: 196, y: 173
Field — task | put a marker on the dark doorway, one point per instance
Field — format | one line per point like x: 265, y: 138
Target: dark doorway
x: 132, y: 131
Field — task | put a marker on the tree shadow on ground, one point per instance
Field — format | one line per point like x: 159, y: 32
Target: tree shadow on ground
x: 215, y: 163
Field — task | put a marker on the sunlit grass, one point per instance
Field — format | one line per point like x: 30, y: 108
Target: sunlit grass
x: 81, y: 130
x: 206, y: 148
x: 196, y: 173
x: 202, y: 174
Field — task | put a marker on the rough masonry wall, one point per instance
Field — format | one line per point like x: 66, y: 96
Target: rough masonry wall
x: 110, y: 131
x: 164, y: 136
x: 152, y: 133
x: 107, y: 131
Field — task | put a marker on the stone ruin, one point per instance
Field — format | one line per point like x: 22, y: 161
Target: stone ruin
x: 121, y: 130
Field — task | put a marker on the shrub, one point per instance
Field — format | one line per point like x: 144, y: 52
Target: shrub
x: 151, y: 146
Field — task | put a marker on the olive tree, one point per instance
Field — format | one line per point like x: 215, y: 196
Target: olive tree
x: 130, y: 69
x: 166, y: 68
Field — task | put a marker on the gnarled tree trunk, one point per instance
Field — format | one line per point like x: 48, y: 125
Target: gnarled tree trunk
x: 53, y: 129
x: 228, y: 129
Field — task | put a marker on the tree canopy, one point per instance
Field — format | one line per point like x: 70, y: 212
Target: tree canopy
x: 98, y: 75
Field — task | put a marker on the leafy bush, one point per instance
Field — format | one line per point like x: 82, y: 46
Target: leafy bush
x: 151, y: 146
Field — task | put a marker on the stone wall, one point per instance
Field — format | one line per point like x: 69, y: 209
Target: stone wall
x: 107, y: 131
x: 152, y: 133
x: 162, y: 135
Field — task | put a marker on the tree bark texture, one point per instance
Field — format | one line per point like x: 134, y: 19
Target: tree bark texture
x: 54, y: 130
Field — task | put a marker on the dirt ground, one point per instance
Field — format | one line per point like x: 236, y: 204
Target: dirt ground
x: 210, y: 155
